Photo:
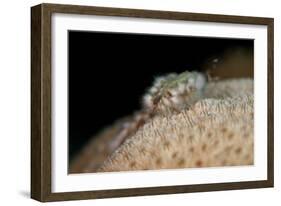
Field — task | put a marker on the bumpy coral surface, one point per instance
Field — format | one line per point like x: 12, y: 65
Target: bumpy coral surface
x: 213, y: 128
x: 212, y: 133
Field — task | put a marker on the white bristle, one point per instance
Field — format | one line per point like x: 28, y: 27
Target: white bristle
x: 191, y: 81
x: 200, y: 81
x: 147, y: 100
x: 159, y: 81
x: 174, y: 92
x: 153, y: 90
x: 181, y: 88
x: 176, y: 100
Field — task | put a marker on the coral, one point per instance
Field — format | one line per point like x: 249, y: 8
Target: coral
x: 212, y: 133
x: 214, y: 129
x: 229, y: 88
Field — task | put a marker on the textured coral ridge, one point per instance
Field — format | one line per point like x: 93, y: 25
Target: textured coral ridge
x: 215, y: 131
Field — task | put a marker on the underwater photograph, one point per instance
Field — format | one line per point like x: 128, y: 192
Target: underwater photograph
x: 151, y: 102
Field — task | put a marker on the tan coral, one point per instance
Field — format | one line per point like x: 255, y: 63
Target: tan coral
x: 96, y: 151
x: 212, y: 133
x: 229, y: 88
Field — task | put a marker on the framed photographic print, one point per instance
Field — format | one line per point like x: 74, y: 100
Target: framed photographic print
x: 130, y: 102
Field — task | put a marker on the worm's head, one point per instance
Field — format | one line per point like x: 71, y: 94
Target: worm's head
x: 174, y: 91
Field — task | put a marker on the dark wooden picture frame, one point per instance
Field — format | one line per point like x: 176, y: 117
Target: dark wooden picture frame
x: 41, y: 102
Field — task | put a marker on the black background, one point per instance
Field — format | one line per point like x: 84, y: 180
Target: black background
x: 109, y: 72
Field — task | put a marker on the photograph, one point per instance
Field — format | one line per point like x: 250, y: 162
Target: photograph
x: 151, y: 102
